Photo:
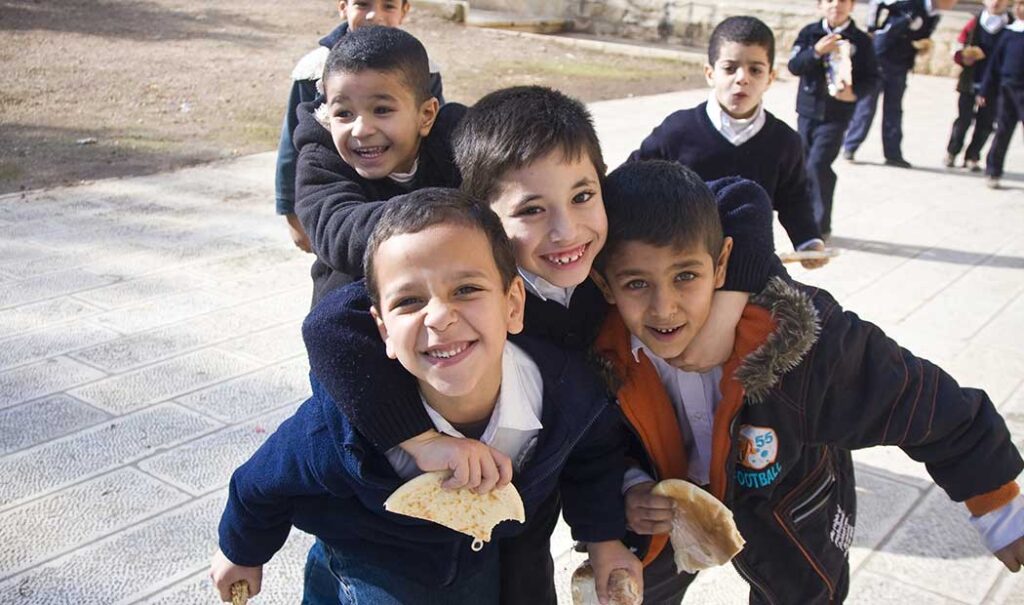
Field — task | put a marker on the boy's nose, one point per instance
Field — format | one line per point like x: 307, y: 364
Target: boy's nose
x: 362, y: 127
x: 439, y: 316
x: 663, y: 305
x: 563, y: 228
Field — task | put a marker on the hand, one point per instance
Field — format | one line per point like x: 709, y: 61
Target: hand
x: 713, y: 343
x: 606, y: 557
x: 299, y: 237
x: 474, y: 465
x: 846, y: 95
x: 827, y: 44
x: 1011, y: 555
x: 923, y: 45
x: 817, y: 263
x: 224, y: 573
x: 980, y: 100
x: 647, y: 514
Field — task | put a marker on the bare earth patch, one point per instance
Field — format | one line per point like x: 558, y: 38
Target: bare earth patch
x: 92, y: 89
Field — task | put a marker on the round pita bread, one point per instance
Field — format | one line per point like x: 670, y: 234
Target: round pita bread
x: 622, y: 587
x: 461, y: 510
x: 703, y: 531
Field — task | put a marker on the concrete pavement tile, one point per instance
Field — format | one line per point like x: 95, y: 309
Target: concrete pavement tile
x: 87, y: 453
x: 13, y: 254
x: 136, y: 290
x: 50, y: 286
x: 254, y: 393
x: 937, y: 550
x: 893, y: 464
x: 162, y: 311
x: 254, y: 261
x: 46, y: 313
x: 43, y: 378
x: 44, y: 419
x: 86, y: 511
x: 897, y: 294
x: 153, y: 384
x: 995, y: 368
x: 50, y: 342
x: 876, y: 589
x: 71, y: 257
x: 207, y: 463
x: 127, y: 565
x: 291, y: 294
x: 1006, y: 328
x: 273, y: 344
x: 881, y: 504
x: 718, y: 586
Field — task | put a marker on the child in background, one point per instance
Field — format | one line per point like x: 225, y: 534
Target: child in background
x: 1004, y: 83
x: 305, y: 88
x: 732, y: 134
x: 442, y: 279
x: 901, y: 30
x: 771, y: 430
x: 824, y: 110
x: 975, y: 43
x: 378, y: 133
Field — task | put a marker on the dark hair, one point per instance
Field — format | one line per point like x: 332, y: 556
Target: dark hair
x: 514, y: 127
x: 745, y: 30
x: 424, y: 208
x: 662, y: 204
x: 381, y: 48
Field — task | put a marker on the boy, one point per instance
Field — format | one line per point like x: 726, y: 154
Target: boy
x: 901, y: 30
x: 381, y: 135
x: 305, y: 85
x: 733, y: 135
x: 770, y: 431
x: 824, y: 112
x: 1004, y: 81
x: 975, y: 43
x: 445, y: 296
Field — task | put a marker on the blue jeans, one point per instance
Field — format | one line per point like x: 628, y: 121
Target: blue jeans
x: 334, y: 578
x: 892, y: 86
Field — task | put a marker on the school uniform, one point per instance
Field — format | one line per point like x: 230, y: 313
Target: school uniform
x: 1004, y: 84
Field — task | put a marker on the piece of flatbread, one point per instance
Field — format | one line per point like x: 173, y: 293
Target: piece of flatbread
x: 461, y: 510
x: 703, y: 531
x: 622, y: 588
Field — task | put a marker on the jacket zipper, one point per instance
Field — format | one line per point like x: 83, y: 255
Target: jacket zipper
x: 798, y: 514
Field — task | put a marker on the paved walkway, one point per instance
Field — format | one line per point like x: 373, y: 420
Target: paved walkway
x: 149, y: 341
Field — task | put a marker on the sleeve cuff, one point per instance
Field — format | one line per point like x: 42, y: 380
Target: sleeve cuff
x: 1002, y: 526
x: 985, y: 503
x: 634, y: 476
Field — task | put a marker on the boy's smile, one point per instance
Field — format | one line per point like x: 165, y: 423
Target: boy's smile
x: 663, y: 293
x: 389, y: 13
x: 445, y: 315
x: 376, y: 122
x: 739, y: 77
x: 553, y: 213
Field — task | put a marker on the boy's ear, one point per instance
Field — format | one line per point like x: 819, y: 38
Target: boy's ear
x: 771, y: 76
x: 516, y: 299
x: 428, y: 114
x: 722, y: 266
x: 377, y: 319
x: 709, y: 70
x: 406, y: 5
x: 342, y: 4
x: 602, y: 285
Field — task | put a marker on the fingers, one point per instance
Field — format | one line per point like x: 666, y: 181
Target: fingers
x: 504, y: 468
x: 460, y: 476
x: 601, y: 574
x: 1009, y: 560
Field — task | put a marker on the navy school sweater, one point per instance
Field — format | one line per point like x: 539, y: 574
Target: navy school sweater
x: 319, y: 474
x: 1005, y: 66
x: 896, y: 26
x: 396, y: 413
x: 338, y: 208
x: 773, y: 158
x: 973, y: 34
x: 812, y: 98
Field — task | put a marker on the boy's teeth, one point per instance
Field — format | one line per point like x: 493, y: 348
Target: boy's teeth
x: 370, y: 151
x: 565, y: 259
x: 665, y: 330
x: 447, y: 353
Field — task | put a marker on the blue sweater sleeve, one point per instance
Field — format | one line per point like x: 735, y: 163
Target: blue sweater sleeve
x: 591, y: 482
x: 802, y: 61
x: 993, y: 72
x: 287, y: 156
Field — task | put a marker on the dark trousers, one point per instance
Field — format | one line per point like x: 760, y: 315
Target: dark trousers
x: 662, y: 585
x: 527, y: 570
x: 892, y: 85
x: 1011, y: 111
x: 822, y: 141
x: 982, y: 117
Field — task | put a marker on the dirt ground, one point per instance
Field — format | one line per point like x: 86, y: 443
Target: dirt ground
x: 92, y: 89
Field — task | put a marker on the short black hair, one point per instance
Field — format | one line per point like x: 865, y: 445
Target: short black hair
x: 659, y: 203
x: 750, y: 31
x: 514, y: 127
x: 424, y: 208
x: 386, y: 49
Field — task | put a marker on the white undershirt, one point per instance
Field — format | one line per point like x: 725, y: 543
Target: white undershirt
x: 545, y: 290
x: 735, y: 130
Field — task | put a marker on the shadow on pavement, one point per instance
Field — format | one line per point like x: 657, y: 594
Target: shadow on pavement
x: 942, y: 255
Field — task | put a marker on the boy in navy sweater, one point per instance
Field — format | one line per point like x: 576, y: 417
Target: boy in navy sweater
x: 442, y: 280
x: 1004, y: 81
x: 305, y: 87
x: 975, y: 43
x: 733, y: 135
x: 825, y: 102
x: 379, y: 133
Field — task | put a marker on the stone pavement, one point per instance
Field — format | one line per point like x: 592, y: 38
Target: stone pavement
x: 149, y: 341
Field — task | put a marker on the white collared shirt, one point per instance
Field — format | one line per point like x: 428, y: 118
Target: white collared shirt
x: 545, y: 290
x: 838, y: 30
x: 993, y: 23
x: 1016, y: 26
x: 515, y: 421
x: 735, y: 130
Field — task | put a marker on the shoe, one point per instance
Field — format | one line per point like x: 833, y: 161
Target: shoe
x: 949, y: 161
x: 972, y: 165
x: 848, y: 155
x: 992, y: 182
x: 898, y: 163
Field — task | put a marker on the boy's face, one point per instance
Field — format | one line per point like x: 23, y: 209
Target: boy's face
x: 996, y: 7
x: 389, y: 13
x: 444, y: 313
x: 836, y: 11
x: 376, y: 122
x: 662, y: 293
x: 1018, y: 10
x: 739, y: 77
x: 553, y: 213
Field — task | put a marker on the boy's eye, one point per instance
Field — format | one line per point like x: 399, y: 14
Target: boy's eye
x: 686, y: 276
x: 528, y: 211
x: 406, y: 302
x: 635, y: 284
x: 582, y: 197
x: 467, y: 290
x: 382, y: 110
x: 343, y: 115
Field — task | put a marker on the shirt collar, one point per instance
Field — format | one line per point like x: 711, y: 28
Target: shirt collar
x: 735, y: 130
x: 993, y: 23
x: 545, y: 290
x: 406, y: 177
x: 838, y: 30
x: 1016, y: 26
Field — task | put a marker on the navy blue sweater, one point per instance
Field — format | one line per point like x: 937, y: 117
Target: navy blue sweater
x: 896, y: 26
x: 812, y: 99
x: 304, y: 91
x: 1005, y: 66
x: 773, y: 158
x: 318, y: 473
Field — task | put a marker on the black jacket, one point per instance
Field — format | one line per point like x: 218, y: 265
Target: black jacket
x: 1005, y: 66
x: 897, y: 26
x: 338, y: 208
x: 812, y: 98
